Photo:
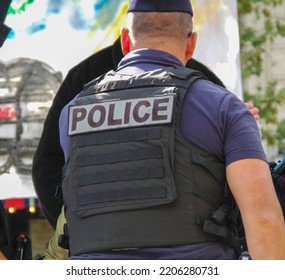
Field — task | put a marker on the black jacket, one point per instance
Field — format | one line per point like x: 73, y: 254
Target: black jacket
x: 4, y: 30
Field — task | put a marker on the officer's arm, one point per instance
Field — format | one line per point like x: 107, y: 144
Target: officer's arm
x: 251, y: 185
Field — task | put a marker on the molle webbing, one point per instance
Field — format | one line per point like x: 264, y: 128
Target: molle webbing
x: 116, y: 176
x: 139, y: 186
x: 126, y: 155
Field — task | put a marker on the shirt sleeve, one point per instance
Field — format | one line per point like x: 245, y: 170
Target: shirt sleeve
x: 218, y: 122
x: 242, y: 138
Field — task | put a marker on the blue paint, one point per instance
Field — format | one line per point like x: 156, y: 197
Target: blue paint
x: 11, y: 34
x: 54, y: 6
x: 77, y: 20
x: 36, y: 27
x: 99, y: 6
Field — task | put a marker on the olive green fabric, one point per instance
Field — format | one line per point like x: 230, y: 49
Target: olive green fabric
x: 54, y: 251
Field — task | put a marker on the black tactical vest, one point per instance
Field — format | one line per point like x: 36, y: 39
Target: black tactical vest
x: 132, y: 180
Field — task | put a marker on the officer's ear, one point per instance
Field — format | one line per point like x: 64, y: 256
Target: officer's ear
x: 125, y: 41
x: 191, y: 44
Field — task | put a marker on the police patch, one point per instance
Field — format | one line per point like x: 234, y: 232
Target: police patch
x: 115, y: 114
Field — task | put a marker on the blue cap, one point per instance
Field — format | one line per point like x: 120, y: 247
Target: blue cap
x: 160, y: 6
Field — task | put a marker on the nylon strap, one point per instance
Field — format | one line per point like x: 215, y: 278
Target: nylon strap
x: 122, y: 156
x: 125, y: 175
x: 119, y: 137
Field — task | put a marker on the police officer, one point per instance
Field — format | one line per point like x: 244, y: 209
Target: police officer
x: 148, y: 150
x: 48, y: 159
x: 47, y: 162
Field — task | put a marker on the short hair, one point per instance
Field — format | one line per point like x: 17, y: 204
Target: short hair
x: 175, y: 24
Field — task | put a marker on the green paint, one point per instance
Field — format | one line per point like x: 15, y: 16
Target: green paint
x: 21, y: 9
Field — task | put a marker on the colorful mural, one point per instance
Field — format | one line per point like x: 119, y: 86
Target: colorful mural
x: 63, y: 32
x: 60, y: 33
x: 80, y: 14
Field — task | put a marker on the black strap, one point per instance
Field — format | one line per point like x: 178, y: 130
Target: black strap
x: 122, y: 156
x: 63, y: 239
x: 213, y: 168
x: 225, y: 233
x: 119, y: 137
x: 126, y: 175
x: 128, y: 194
x: 220, y: 214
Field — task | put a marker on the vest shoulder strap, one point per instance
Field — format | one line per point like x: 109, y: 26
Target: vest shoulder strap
x: 169, y: 76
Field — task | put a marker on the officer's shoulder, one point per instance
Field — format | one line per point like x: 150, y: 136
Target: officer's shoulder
x: 209, y: 89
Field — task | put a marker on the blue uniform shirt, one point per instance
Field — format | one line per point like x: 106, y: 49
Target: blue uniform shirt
x: 212, y: 119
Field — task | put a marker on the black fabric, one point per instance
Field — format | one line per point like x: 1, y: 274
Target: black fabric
x: 4, y: 235
x: 195, y: 64
x: 120, y: 137
x: 279, y: 184
x: 160, y: 6
x: 4, y: 5
x: 4, y: 30
x: 49, y: 159
x: 6, y: 247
